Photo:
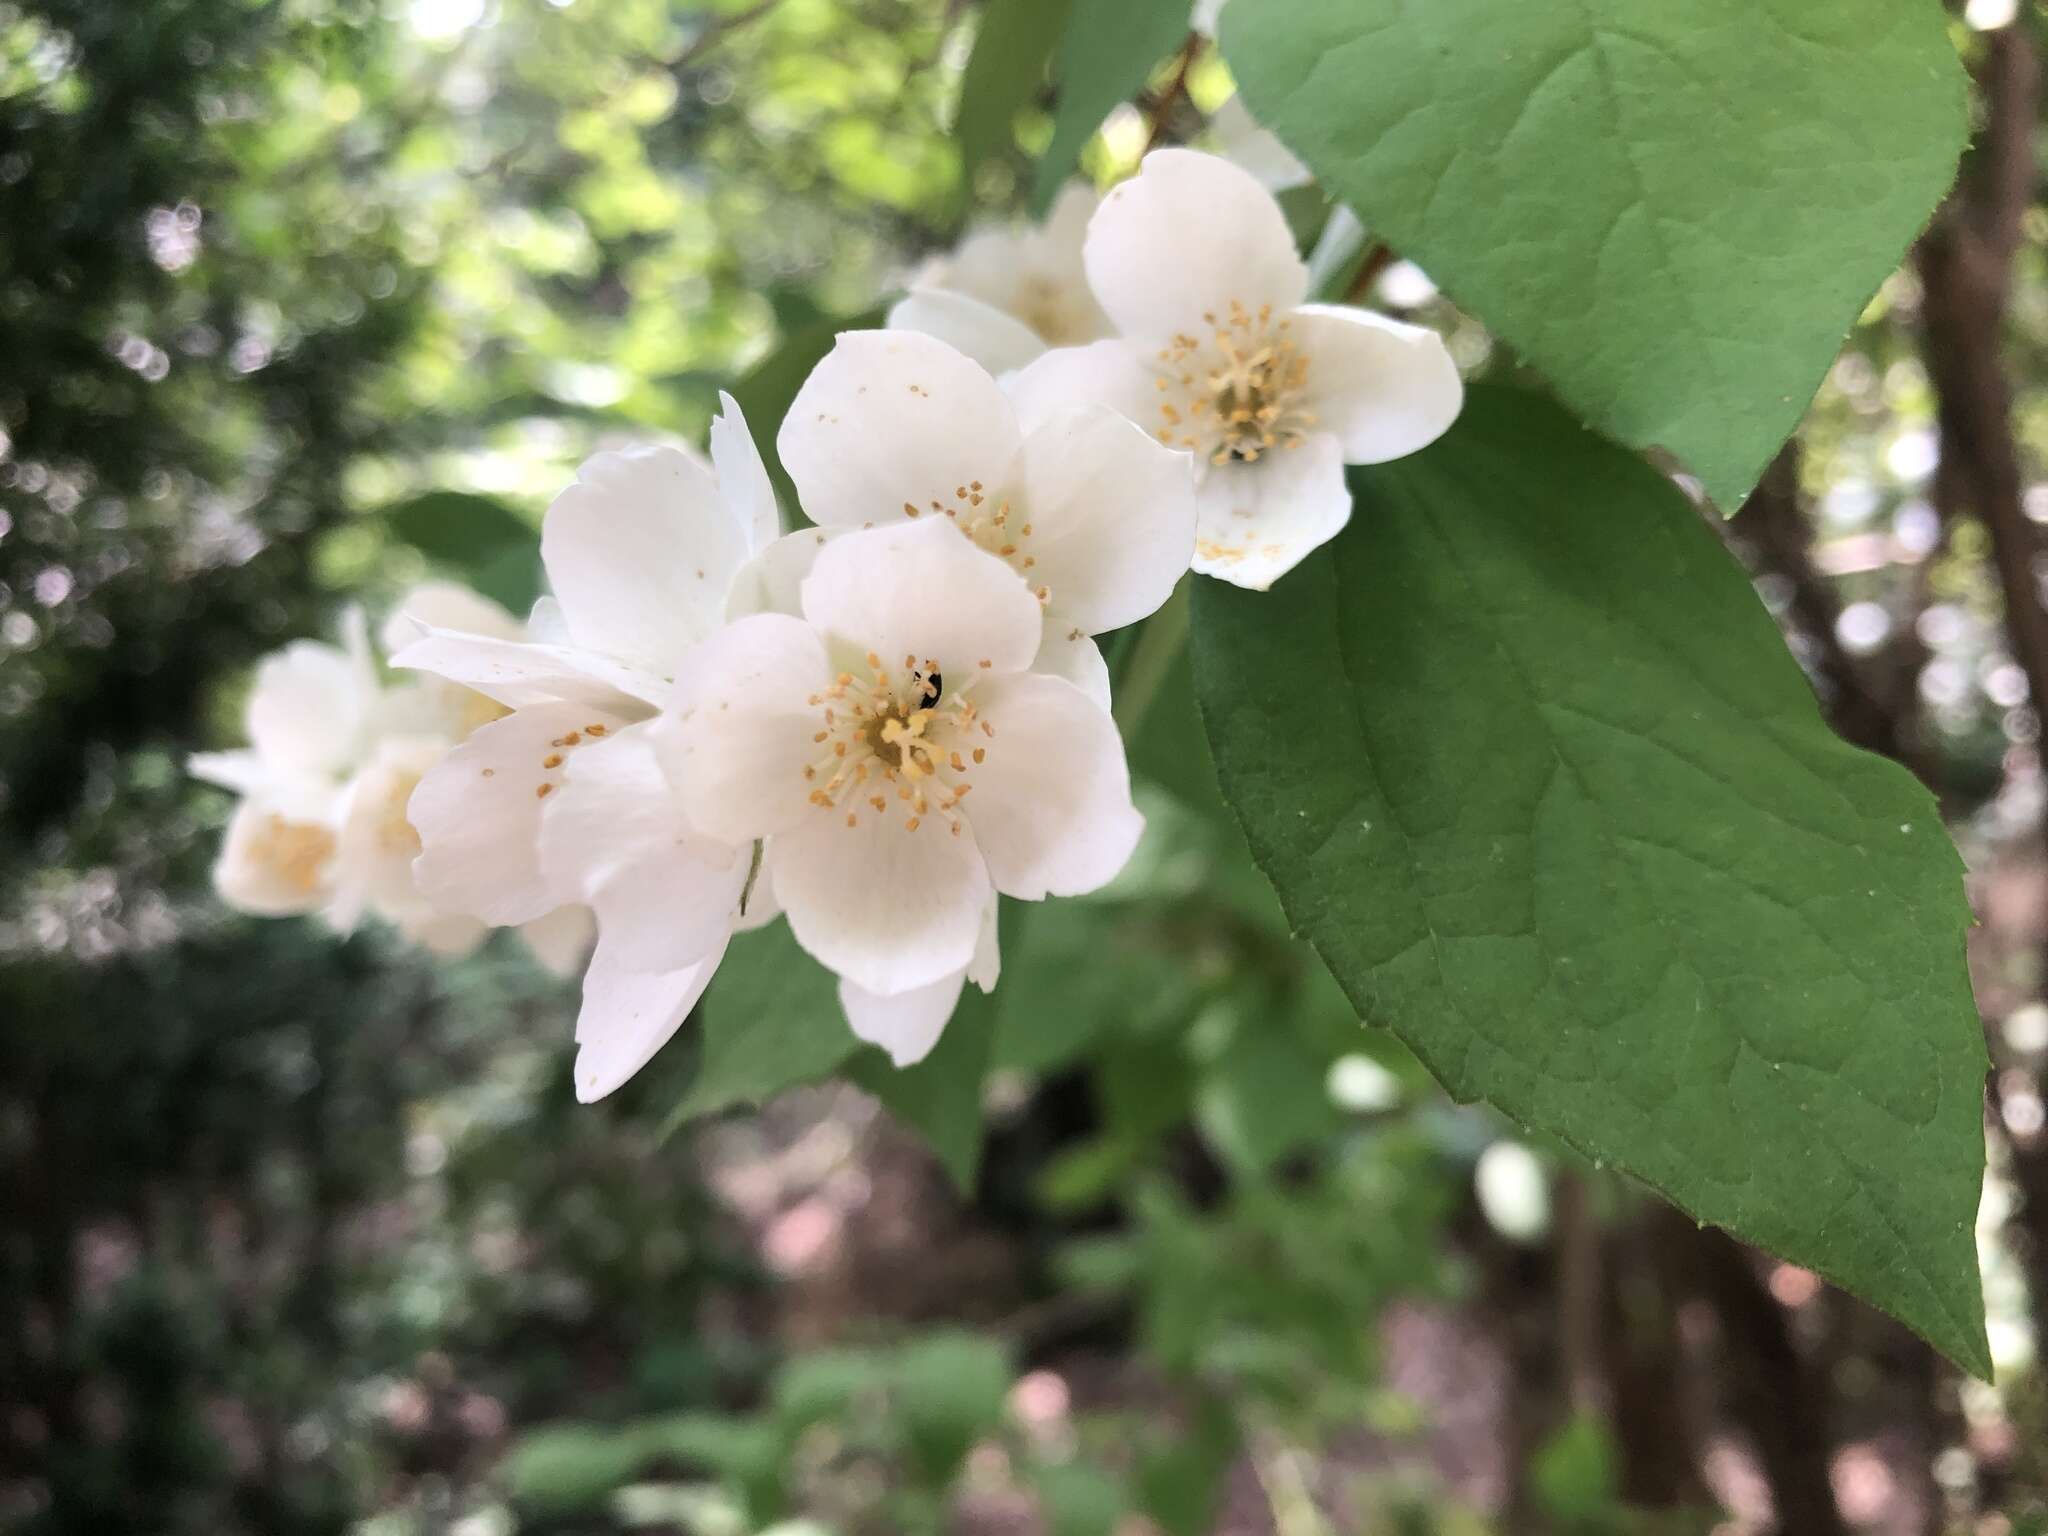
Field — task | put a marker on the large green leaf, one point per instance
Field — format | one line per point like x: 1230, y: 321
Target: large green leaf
x: 480, y: 538
x: 1109, y: 49
x: 1011, y: 52
x: 1531, y: 767
x: 1674, y: 208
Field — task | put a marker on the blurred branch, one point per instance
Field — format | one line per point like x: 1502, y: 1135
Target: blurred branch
x: 1965, y: 264
x: 1774, y: 524
x: 717, y: 30
x: 1159, y: 110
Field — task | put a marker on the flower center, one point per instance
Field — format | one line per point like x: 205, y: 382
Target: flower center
x: 1238, y: 395
x: 298, y: 851
x: 987, y: 519
x: 896, y: 738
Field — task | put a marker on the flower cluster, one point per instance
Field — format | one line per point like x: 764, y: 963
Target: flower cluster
x: 335, y: 752
x: 877, y: 725
x: 1216, y: 351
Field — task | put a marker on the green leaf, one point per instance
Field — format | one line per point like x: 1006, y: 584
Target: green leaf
x: 1011, y: 53
x: 1532, y: 768
x: 1265, y: 1096
x: 941, y: 1095
x: 458, y: 527
x: 1673, y: 208
x: 951, y: 1388
x: 765, y: 390
x: 1109, y: 49
x: 771, y: 1020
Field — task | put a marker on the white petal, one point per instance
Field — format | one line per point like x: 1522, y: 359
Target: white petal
x: 743, y: 727
x: 307, y: 708
x: 1259, y: 521
x: 1071, y: 655
x: 478, y: 812
x: 561, y: 940
x: 518, y: 674
x: 887, y: 908
x: 1103, y: 373
x: 1186, y: 237
x: 1206, y: 15
x: 1064, y: 235
x: 628, y: 1015
x: 544, y: 622
x: 920, y: 589
x: 772, y: 582
x: 373, y: 864
x: 617, y: 838
x: 446, y: 934
x: 907, y: 1025
x: 1051, y: 806
x: 640, y: 552
x: 891, y: 418
x: 979, y: 331
x: 446, y: 605
x: 274, y: 864
x: 1383, y: 388
x: 241, y: 771
x: 1240, y: 139
x: 1112, y: 517
x: 742, y: 477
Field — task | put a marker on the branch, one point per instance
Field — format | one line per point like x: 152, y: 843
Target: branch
x: 714, y: 31
x: 1161, y: 107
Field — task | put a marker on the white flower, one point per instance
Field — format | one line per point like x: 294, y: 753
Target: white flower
x: 1008, y: 292
x: 902, y: 763
x: 563, y: 798
x: 895, y: 427
x: 1240, y: 139
x: 333, y: 756
x: 1219, y: 355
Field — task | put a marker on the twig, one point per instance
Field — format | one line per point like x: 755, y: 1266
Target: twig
x: 1161, y: 107
x: 1378, y: 257
x: 715, y: 30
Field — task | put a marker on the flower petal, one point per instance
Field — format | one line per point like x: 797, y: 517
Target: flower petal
x: 1383, y: 388
x: 628, y: 1015
x: 743, y: 725
x: 273, y: 863
x: 1112, y: 517
x: 1104, y: 373
x: 478, y: 812
x: 891, y: 418
x: 561, y: 940
x: 887, y: 908
x: 1259, y: 521
x: 920, y: 589
x: 772, y: 582
x: 308, y: 707
x: 640, y: 551
x: 377, y: 844
x: 446, y: 605
x: 742, y: 478
x: 517, y: 674
x: 1186, y: 237
x: 976, y: 330
x: 1242, y: 140
x: 1051, y: 808
x: 1076, y: 657
x: 619, y: 840
x: 907, y: 1025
